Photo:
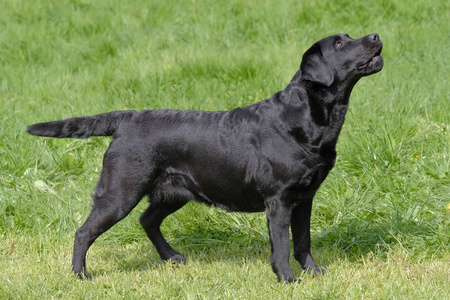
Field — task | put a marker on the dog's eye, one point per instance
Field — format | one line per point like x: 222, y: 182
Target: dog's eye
x: 339, y: 44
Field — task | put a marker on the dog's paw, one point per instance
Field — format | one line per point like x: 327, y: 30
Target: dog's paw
x: 81, y: 276
x: 316, y: 271
x: 177, y: 259
x: 291, y: 280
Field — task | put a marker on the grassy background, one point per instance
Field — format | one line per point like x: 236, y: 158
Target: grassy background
x: 379, y: 222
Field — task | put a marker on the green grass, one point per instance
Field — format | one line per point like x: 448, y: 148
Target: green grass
x: 379, y: 221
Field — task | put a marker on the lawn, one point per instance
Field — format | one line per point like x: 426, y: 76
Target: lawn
x: 381, y: 220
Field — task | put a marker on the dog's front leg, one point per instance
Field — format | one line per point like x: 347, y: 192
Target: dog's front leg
x: 301, y: 236
x: 278, y: 219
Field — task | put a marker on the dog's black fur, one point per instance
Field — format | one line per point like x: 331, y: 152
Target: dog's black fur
x: 269, y: 156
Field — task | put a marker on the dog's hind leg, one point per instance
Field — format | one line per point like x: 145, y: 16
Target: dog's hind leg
x: 120, y: 188
x: 151, y: 220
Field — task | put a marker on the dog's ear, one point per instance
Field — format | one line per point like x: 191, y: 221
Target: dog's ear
x: 314, y: 68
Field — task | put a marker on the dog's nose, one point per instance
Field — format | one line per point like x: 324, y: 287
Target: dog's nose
x: 374, y: 36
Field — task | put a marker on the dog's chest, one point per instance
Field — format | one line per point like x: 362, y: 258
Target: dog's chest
x: 310, y: 174
x: 313, y: 176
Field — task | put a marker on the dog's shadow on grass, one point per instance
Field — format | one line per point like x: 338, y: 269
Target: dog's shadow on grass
x: 358, y: 238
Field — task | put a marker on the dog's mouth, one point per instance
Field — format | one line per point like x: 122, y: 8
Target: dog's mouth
x: 374, y: 64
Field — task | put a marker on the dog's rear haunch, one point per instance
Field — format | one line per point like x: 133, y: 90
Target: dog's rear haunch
x: 269, y: 156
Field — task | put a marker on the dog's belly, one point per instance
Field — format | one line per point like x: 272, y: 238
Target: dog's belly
x: 235, y: 200
x: 229, y: 193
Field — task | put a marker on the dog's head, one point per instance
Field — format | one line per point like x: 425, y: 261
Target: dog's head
x: 339, y: 58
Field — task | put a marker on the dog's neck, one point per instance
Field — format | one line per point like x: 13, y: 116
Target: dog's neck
x: 328, y: 116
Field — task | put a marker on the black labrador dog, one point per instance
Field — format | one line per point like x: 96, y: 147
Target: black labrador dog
x: 269, y: 156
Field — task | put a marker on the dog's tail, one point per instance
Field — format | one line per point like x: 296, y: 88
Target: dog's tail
x: 82, y: 127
